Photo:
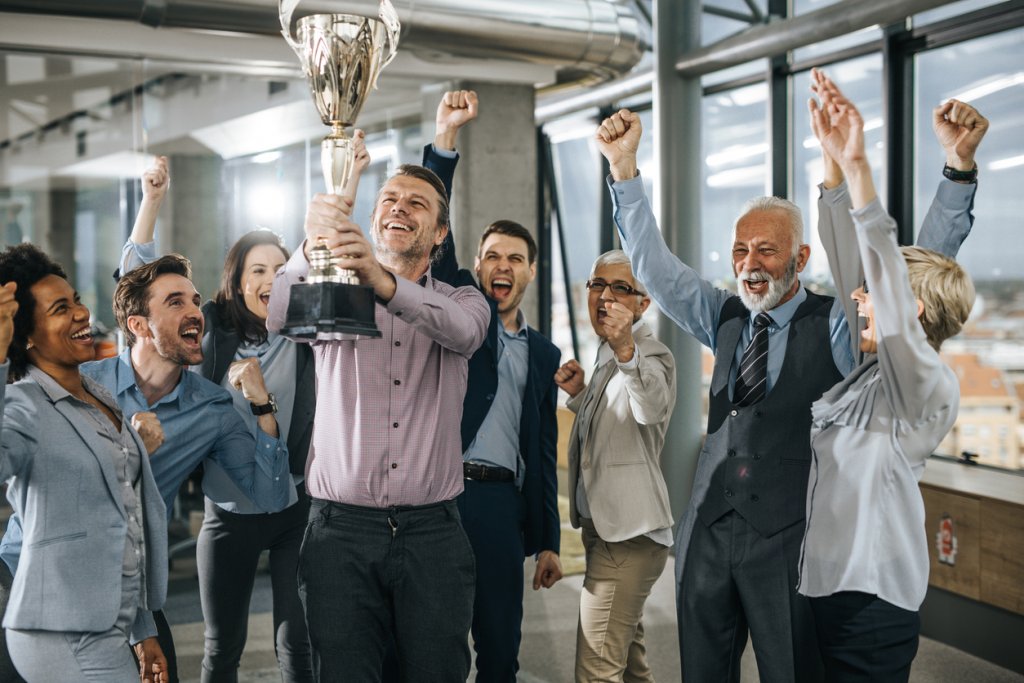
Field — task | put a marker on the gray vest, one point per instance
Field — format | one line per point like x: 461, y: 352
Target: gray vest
x: 761, y: 454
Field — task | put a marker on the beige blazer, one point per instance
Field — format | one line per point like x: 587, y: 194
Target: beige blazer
x: 619, y: 455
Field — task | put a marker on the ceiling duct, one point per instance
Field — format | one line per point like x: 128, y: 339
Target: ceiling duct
x: 593, y: 39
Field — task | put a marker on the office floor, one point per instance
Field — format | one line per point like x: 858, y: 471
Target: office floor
x: 549, y: 636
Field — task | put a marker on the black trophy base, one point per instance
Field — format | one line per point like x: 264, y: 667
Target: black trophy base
x: 331, y: 310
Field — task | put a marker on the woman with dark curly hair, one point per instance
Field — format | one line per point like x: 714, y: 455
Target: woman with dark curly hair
x: 95, y: 535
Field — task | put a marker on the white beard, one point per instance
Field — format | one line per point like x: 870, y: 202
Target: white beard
x: 777, y: 288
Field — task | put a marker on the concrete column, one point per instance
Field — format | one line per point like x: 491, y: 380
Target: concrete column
x: 677, y: 107
x: 497, y: 173
x: 59, y: 236
x: 192, y: 219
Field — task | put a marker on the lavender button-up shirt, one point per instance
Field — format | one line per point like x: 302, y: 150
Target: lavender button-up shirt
x: 388, y: 410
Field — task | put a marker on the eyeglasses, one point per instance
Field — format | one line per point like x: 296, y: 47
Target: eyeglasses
x: 864, y: 285
x: 618, y: 288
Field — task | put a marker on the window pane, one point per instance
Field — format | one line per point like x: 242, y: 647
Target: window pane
x: 578, y: 175
x: 989, y: 354
x: 860, y: 80
x: 714, y: 27
x: 734, y: 147
x: 951, y: 10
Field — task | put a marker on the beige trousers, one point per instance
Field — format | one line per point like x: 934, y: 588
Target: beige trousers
x: 610, y: 636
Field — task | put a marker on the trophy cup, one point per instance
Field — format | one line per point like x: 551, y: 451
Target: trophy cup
x: 341, y: 55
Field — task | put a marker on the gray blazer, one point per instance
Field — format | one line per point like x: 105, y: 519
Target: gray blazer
x: 620, y: 458
x: 64, y: 487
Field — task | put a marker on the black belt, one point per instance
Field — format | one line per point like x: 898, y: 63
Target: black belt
x: 476, y: 472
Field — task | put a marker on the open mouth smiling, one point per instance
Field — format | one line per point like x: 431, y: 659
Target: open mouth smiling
x: 83, y: 336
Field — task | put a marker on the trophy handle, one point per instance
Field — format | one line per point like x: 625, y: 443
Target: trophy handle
x: 389, y: 17
x: 285, y: 10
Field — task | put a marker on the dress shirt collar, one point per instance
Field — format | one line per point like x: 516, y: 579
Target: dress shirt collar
x: 782, y: 315
x: 55, y: 392
x: 124, y: 377
x: 520, y: 326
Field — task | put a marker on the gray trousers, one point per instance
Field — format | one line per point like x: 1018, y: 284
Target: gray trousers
x: 735, y: 581
x: 99, y: 657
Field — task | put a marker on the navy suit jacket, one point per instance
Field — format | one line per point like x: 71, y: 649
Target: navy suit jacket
x: 538, y: 426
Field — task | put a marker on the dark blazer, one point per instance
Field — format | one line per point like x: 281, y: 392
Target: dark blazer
x: 538, y: 426
x: 219, y: 347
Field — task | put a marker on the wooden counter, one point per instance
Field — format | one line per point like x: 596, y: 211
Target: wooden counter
x: 986, y: 509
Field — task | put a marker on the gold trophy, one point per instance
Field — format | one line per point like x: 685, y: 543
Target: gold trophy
x: 342, y: 56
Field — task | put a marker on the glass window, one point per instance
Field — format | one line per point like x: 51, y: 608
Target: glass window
x: 734, y: 151
x: 577, y: 163
x: 989, y: 354
x: 757, y: 67
x: 861, y: 81
x: 951, y: 10
x: 715, y: 27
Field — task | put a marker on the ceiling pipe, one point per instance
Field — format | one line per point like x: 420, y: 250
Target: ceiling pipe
x: 583, y: 38
x: 757, y: 42
x: 778, y: 37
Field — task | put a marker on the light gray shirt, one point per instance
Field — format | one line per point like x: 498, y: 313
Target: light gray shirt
x: 870, y: 437
x: 497, y: 441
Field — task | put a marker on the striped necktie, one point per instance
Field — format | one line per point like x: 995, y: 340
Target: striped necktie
x: 752, y: 379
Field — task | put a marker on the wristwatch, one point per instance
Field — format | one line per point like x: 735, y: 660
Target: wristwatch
x: 269, y: 407
x: 961, y: 176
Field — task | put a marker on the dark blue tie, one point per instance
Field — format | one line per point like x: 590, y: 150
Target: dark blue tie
x: 752, y: 379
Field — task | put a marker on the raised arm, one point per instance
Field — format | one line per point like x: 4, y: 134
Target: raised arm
x: 910, y: 368
x: 690, y: 301
x: 835, y: 225
x: 17, y: 424
x: 456, y: 109
x: 140, y: 249
x: 959, y: 128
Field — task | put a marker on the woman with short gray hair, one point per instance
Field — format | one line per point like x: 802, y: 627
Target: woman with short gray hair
x: 864, y: 561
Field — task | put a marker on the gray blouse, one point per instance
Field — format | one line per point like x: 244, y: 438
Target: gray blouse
x: 870, y: 437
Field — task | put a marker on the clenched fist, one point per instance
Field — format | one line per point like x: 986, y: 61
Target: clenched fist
x: 150, y: 430
x: 618, y: 138
x: 246, y: 376
x: 456, y: 109
x: 156, y: 180
x: 959, y: 128
x: 617, y: 329
x: 569, y: 378
x: 8, y: 307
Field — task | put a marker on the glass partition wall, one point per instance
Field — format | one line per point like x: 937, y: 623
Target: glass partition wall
x: 76, y: 134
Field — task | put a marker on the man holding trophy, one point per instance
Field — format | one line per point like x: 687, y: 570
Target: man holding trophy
x: 384, y: 554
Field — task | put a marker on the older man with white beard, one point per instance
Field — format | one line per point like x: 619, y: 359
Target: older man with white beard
x: 777, y: 348
x: 738, y: 544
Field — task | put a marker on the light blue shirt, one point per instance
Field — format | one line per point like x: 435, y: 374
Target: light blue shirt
x: 497, y: 441
x: 200, y: 421
x: 694, y: 303
x: 278, y: 358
